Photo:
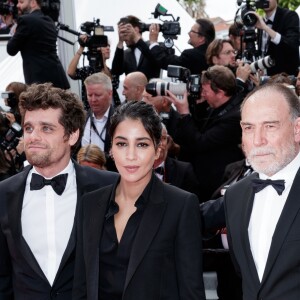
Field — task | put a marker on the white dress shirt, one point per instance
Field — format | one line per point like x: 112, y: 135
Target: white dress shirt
x: 267, y: 208
x: 90, y: 136
x: 266, y: 38
x: 47, y: 221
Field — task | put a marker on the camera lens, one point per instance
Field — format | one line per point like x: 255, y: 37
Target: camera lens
x: 249, y: 19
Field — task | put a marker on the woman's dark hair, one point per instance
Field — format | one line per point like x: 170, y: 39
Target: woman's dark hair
x: 142, y: 111
x: 44, y: 96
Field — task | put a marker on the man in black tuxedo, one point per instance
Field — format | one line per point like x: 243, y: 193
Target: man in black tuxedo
x: 137, y: 57
x: 35, y: 37
x: 38, y: 206
x: 201, y: 35
x: 262, y: 210
x: 278, y: 36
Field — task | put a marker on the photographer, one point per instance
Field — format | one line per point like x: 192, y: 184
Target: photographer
x: 278, y: 36
x: 35, y: 37
x: 95, y: 66
x: 138, y: 56
x: 201, y: 35
x: 214, y: 143
x: 221, y: 52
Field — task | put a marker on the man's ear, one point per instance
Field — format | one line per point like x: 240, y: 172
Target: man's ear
x: 297, y: 130
x: 74, y: 137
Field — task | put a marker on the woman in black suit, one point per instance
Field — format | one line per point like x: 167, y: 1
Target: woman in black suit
x: 140, y: 238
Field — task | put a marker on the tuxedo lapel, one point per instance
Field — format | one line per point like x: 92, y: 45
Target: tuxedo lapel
x: 286, y: 219
x: 94, y: 215
x: 247, y: 210
x: 14, y: 212
x: 149, y: 226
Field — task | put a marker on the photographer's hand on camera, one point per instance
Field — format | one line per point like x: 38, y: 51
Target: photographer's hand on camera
x: 153, y: 33
x: 74, y: 62
x: 260, y: 24
x: 10, y: 117
x: 182, y: 105
x: 243, y: 70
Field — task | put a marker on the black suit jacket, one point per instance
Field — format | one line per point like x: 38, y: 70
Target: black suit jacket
x: 124, y: 61
x: 165, y: 260
x: 286, y: 53
x: 193, y: 59
x: 36, y: 38
x: 181, y: 174
x: 280, y: 279
x: 231, y: 173
x: 211, y: 148
x: 20, y: 274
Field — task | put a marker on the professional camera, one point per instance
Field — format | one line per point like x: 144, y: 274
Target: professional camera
x: 9, y: 7
x: 10, y: 139
x: 95, y: 40
x: 169, y: 29
x: 262, y: 64
x: 11, y: 99
x: 247, y: 19
x: 190, y: 83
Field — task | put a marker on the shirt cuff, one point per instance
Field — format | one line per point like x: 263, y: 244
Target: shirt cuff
x: 276, y: 39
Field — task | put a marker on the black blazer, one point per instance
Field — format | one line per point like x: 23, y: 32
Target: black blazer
x: 181, y: 174
x: 124, y: 61
x: 280, y: 279
x: 20, y: 274
x: 165, y: 261
x: 193, y: 59
x: 211, y: 148
x: 36, y: 38
x: 286, y: 53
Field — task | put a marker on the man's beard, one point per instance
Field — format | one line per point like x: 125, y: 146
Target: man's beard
x: 275, y: 166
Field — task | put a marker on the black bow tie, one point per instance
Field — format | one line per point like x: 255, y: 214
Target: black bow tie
x: 159, y: 170
x: 260, y: 184
x: 58, y: 182
x: 269, y: 22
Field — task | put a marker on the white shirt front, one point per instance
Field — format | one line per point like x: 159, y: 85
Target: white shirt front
x: 47, y: 221
x: 267, y: 208
x: 90, y: 136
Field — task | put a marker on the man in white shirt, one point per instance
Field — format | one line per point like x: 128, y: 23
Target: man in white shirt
x: 38, y: 206
x: 262, y: 210
x: 99, y: 94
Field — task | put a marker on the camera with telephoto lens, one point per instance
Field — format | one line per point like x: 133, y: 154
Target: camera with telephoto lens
x: 262, y: 64
x: 170, y: 29
x: 190, y: 83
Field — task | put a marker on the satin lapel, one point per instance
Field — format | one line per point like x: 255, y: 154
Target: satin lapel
x: 149, y: 226
x: 247, y: 210
x: 286, y: 219
x: 94, y: 215
x: 14, y: 212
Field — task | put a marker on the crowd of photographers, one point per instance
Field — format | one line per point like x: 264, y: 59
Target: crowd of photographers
x: 200, y: 110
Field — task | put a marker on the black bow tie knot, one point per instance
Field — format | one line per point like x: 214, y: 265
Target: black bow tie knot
x: 159, y: 170
x: 58, y: 182
x: 260, y: 184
